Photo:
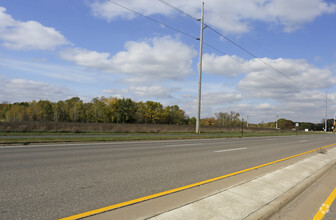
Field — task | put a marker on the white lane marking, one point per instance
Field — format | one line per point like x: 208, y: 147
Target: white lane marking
x: 242, y: 148
x: 303, y: 141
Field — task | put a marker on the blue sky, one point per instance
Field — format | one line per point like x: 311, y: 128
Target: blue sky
x: 59, y: 49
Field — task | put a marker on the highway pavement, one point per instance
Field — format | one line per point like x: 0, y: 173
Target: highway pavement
x: 55, y: 181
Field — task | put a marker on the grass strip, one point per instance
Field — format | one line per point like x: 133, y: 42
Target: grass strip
x: 26, y: 140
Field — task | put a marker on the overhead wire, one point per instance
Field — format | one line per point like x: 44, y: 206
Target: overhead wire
x: 179, y: 10
x: 153, y: 20
x: 195, y: 38
x: 254, y: 70
x: 255, y: 42
x: 250, y: 53
x: 234, y: 43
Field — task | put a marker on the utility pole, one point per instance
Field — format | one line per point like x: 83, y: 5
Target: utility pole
x: 247, y: 121
x: 326, y: 118
x: 276, y: 122
x: 334, y: 127
x: 198, y: 119
x: 242, y: 127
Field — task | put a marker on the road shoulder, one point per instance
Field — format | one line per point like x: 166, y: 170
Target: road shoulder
x: 159, y: 205
x: 305, y: 205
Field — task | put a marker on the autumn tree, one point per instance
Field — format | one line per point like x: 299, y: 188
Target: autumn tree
x: 140, y: 113
x: 174, y: 115
x: 17, y: 112
x: 101, y: 109
x: 125, y: 111
x: 4, y: 107
x: 153, y: 111
x: 285, y: 124
x: 227, y: 119
x: 59, y: 109
x: 44, y: 110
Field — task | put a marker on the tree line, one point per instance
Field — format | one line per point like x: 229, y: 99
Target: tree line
x: 108, y: 110
x: 125, y: 110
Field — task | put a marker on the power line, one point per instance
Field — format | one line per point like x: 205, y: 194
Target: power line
x: 254, y: 70
x: 179, y: 10
x: 255, y: 42
x: 207, y: 44
x: 232, y: 42
x: 250, y: 53
x: 153, y: 20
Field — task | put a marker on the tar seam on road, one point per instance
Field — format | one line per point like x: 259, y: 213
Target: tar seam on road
x: 145, y: 198
x: 325, y: 206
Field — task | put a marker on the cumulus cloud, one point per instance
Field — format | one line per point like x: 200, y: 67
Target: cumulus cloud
x: 211, y: 103
x: 153, y: 60
x: 152, y: 91
x: 220, y: 98
x: 110, y: 11
x: 291, y: 91
x: 226, y: 65
x: 301, y: 106
x: 29, y: 35
x: 18, y: 90
x: 294, y: 76
x: 266, y: 78
x: 293, y: 14
x: 229, y: 16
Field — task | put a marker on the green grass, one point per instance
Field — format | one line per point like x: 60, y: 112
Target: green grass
x: 26, y: 140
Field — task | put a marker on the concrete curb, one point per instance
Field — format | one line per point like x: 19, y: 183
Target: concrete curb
x: 259, y: 198
x: 276, y: 205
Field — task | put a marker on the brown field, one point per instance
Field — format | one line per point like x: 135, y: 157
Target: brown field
x: 68, y: 127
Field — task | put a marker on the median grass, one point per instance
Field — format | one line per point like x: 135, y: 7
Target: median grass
x: 39, y: 138
x: 64, y: 132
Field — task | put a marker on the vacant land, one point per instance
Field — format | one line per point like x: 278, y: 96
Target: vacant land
x: 69, y: 127
x: 51, y: 132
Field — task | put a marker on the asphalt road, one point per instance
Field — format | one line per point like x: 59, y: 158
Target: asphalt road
x: 55, y: 181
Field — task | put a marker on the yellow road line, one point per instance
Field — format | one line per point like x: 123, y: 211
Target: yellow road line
x: 325, y: 206
x: 145, y: 198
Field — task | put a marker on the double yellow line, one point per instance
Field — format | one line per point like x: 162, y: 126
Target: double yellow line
x: 142, y: 199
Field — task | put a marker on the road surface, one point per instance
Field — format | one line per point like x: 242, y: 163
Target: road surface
x: 55, y: 181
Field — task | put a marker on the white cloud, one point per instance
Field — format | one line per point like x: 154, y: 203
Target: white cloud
x: 18, y: 90
x: 293, y: 14
x: 229, y: 16
x: 55, y: 71
x: 29, y: 35
x: 226, y: 65
x: 152, y: 91
x: 265, y: 106
x: 140, y: 92
x: 211, y: 102
x: 307, y: 106
x: 296, y: 75
x: 5, y: 19
x: 263, y: 92
x: 153, y: 60
x: 220, y: 98
x: 268, y: 78
x: 110, y: 11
